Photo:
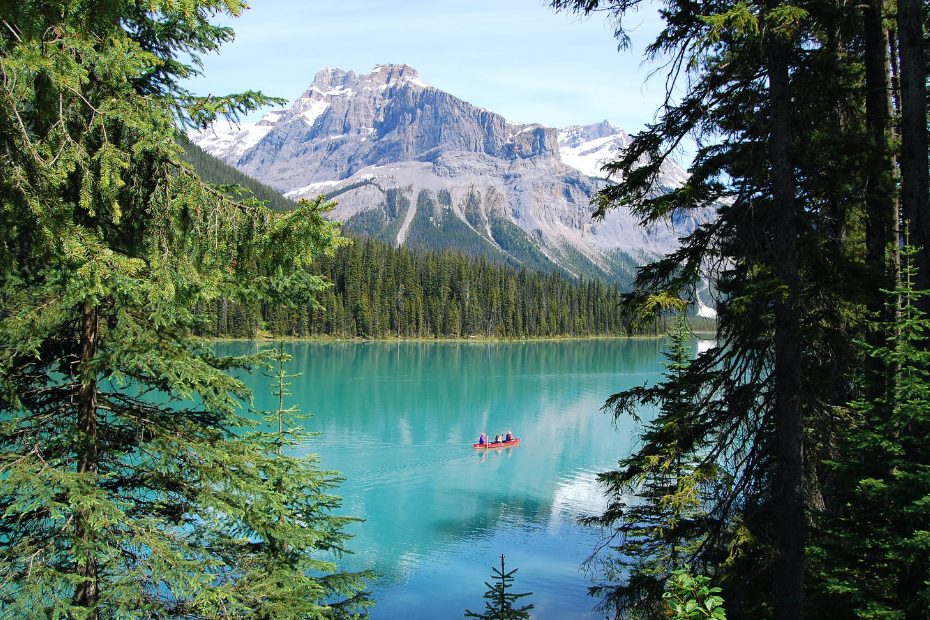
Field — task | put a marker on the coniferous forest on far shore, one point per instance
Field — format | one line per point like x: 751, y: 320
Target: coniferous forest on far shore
x: 375, y: 290
x: 379, y: 291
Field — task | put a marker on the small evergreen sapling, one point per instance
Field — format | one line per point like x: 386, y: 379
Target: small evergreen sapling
x: 499, y: 600
x: 296, y: 537
x: 870, y: 557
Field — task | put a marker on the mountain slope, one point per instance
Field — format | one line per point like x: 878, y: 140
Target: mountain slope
x: 411, y: 164
x: 379, y: 291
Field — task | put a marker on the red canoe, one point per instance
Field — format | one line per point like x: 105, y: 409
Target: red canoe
x: 501, y: 444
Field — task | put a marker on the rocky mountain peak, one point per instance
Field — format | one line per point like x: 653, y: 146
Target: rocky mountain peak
x: 576, y: 135
x: 409, y: 163
x: 332, y: 78
x: 394, y: 74
x: 587, y: 148
x: 333, y: 81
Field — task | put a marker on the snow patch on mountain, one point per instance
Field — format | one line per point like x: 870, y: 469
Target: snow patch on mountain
x: 227, y: 140
x: 411, y: 162
x: 310, y: 190
x: 314, y: 111
x: 587, y: 148
x: 703, y: 309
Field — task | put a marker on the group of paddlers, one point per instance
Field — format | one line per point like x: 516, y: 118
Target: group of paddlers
x: 483, y: 438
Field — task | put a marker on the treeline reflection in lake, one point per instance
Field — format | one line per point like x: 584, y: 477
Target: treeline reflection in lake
x: 397, y: 419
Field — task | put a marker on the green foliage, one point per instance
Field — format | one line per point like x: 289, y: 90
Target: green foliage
x: 776, y: 96
x: 131, y: 483
x: 383, y: 291
x: 691, y: 597
x: 379, y: 291
x: 658, y: 496
x: 737, y: 20
x: 499, y: 600
x: 301, y: 560
x: 870, y: 552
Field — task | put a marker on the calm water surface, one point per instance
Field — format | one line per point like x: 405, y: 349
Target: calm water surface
x: 398, y: 419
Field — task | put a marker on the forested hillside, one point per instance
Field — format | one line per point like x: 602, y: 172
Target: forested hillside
x: 380, y: 291
x: 384, y: 291
x: 215, y: 171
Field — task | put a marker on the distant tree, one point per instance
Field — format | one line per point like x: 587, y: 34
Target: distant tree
x: 499, y: 600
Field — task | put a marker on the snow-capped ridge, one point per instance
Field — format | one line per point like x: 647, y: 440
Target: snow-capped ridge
x: 411, y: 163
x: 587, y: 148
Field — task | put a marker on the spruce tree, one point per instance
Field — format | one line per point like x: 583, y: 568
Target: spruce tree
x: 130, y: 486
x: 499, y: 600
x: 296, y: 492
x: 870, y: 550
x: 658, y: 496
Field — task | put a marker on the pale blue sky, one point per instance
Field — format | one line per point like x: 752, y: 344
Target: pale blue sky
x: 518, y: 58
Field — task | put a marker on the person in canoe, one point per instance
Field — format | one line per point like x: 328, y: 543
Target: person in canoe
x: 482, y: 439
x: 509, y: 436
x: 497, y: 439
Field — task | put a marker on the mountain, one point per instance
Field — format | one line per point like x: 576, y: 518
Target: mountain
x: 411, y: 164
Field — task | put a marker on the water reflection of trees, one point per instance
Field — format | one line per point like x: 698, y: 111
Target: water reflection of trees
x: 398, y: 418
x: 461, y: 376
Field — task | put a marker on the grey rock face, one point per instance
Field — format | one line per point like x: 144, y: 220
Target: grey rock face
x: 409, y: 163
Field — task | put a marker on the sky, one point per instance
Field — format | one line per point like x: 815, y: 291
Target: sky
x: 518, y: 58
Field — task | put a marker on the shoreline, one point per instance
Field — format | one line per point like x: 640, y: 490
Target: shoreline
x: 267, y: 338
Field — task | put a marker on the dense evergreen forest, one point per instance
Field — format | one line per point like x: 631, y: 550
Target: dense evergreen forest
x: 384, y: 291
x: 379, y: 291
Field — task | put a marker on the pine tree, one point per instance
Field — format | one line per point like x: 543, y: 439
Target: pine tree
x: 774, y: 95
x: 658, y: 496
x: 128, y: 488
x: 871, y: 550
x: 306, y: 582
x: 499, y: 600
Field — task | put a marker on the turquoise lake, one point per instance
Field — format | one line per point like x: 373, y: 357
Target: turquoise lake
x: 398, y: 420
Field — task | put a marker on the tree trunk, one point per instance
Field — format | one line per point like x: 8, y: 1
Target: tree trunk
x: 87, y: 593
x: 881, y: 207
x: 881, y: 230
x: 222, y: 317
x: 895, y: 72
x: 915, y: 184
x: 789, y: 520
